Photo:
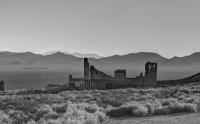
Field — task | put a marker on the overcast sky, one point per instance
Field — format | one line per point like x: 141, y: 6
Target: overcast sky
x: 104, y: 27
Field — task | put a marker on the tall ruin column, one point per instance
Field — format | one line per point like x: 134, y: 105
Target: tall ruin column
x: 87, y: 78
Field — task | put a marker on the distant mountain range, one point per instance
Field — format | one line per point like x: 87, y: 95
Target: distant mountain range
x: 55, y: 57
x: 80, y: 55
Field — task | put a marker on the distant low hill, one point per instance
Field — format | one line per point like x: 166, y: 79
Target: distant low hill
x: 12, y: 58
x: 191, y: 79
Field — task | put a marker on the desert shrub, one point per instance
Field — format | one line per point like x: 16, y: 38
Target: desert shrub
x: 59, y: 108
x: 101, y: 116
x: 91, y: 120
x: 165, y: 110
x: 189, y: 107
x: 196, y: 101
x: 77, y: 113
x: 120, y: 112
x: 182, y: 107
x: 186, y: 91
x: 149, y: 108
x: 128, y: 110
x: 195, y: 91
x: 51, y: 115
x: 181, y: 97
x: 112, y: 101
x: 165, y: 102
x: 91, y: 108
x: 189, y: 99
x: 18, y: 116
x: 161, y: 110
x: 156, y: 103
x: 4, y: 118
x: 31, y: 122
x: 176, y: 107
x: 166, y: 93
x: 157, y: 111
x: 43, y: 111
x: 140, y: 111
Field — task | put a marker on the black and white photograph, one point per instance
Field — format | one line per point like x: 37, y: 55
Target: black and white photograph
x: 99, y: 61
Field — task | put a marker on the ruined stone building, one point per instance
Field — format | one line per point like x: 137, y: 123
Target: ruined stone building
x: 95, y: 79
x: 2, y: 85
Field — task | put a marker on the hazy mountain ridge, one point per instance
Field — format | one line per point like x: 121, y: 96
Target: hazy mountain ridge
x: 76, y: 54
x: 12, y: 58
x: 56, y: 58
x: 141, y: 57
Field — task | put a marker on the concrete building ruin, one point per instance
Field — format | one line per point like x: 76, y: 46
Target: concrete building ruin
x: 95, y: 79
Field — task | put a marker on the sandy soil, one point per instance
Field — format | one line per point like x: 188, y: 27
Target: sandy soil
x: 179, y: 118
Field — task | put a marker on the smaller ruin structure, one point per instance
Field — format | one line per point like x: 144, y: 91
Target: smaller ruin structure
x: 1, y: 85
x: 75, y: 83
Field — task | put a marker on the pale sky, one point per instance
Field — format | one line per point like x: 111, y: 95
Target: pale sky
x: 105, y: 27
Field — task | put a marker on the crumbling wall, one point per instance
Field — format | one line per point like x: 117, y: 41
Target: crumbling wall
x: 138, y: 81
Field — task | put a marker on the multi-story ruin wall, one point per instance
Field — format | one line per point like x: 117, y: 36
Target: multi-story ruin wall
x: 150, y: 74
x: 2, y: 85
x: 95, y: 79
